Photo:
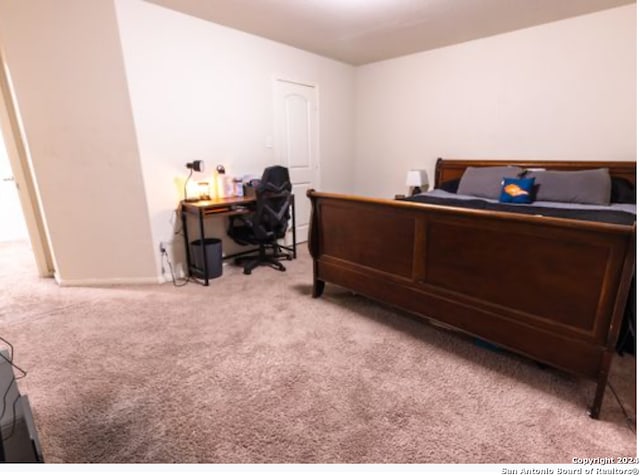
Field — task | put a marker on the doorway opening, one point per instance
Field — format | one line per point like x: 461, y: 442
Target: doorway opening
x: 12, y: 223
x: 16, y: 254
x: 20, y: 211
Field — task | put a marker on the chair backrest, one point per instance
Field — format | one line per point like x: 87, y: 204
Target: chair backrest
x: 273, y: 199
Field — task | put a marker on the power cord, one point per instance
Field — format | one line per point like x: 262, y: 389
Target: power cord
x: 176, y: 282
x: 629, y: 420
x: 10, y: 359
x: 175, y: 219
x: 11, y: 383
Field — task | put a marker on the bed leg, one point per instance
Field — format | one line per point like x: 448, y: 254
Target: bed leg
x: 594, y: 411
x: 318, y: 288
x: 318, y: 284
x: 603, y: 378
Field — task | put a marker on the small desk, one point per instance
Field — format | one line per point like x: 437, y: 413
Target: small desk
x: 221, y: 207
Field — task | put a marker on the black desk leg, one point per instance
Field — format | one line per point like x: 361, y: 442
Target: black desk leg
x: 185, y: 233
x: 203, y: 249
x: 293, y: 215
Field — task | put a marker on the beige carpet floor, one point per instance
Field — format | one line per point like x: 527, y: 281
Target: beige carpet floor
x: 253, y: 370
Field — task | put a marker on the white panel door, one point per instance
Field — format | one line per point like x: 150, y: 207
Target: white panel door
x: 296, y: 144
x: 12, y: 223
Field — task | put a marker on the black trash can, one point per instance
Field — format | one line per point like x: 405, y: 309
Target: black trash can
x: 213, y: 250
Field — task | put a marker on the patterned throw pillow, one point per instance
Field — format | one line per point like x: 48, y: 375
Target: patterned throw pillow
x: 516, y: 190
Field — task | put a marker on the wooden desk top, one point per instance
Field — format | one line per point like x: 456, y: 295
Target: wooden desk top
x: 227, y: 206
x: 219, y: 202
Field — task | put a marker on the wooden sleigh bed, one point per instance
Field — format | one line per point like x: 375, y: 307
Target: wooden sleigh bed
x: 552, y: 289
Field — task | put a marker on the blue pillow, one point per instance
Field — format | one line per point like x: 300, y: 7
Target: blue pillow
x: 516, y: 190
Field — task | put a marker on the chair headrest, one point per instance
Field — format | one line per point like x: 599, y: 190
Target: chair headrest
x: 275, y: 177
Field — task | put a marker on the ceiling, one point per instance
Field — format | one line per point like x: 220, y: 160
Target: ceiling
x: 364, y: 31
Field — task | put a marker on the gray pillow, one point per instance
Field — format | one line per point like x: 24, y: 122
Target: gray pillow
x: 581, y: 186
x: 485, y: 181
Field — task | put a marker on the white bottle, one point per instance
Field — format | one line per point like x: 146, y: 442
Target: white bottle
x: 237, y: 182
x: 220, y: 182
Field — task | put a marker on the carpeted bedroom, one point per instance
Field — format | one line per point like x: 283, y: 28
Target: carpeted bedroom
x: 254, y: 370
x: 464, y: 173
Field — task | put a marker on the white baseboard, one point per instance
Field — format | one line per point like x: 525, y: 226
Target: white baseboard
x: 107, y: 281
x: 96, y: 282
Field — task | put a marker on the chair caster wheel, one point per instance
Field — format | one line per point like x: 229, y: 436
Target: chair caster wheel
x: 247, y: 271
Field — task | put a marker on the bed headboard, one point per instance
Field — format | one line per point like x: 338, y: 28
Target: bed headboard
x: 450, y: 169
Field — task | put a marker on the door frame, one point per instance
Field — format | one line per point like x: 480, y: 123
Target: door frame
x: 13, y: 134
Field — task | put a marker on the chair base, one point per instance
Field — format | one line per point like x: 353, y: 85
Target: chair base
x: 249, y: 263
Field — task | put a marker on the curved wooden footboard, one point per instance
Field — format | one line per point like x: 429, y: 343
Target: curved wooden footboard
x: 548, y: 288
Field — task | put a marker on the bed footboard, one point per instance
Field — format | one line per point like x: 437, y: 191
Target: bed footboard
x: 548, y: 288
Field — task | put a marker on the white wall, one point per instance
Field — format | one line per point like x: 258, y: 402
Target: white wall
x: 66, y: 65
x: 107, y: 135
x: 203, y: 91
x: 563, y: 91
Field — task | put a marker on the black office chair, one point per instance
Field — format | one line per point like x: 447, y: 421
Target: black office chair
x: 268, y: 223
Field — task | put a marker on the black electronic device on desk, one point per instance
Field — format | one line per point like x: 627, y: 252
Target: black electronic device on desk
x: 18, y: 438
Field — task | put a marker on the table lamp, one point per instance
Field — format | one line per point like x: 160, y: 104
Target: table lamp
x: 198, y: 166
x: 417, y: 178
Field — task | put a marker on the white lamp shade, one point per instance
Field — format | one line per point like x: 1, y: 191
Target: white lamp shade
x: 417, y: 178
